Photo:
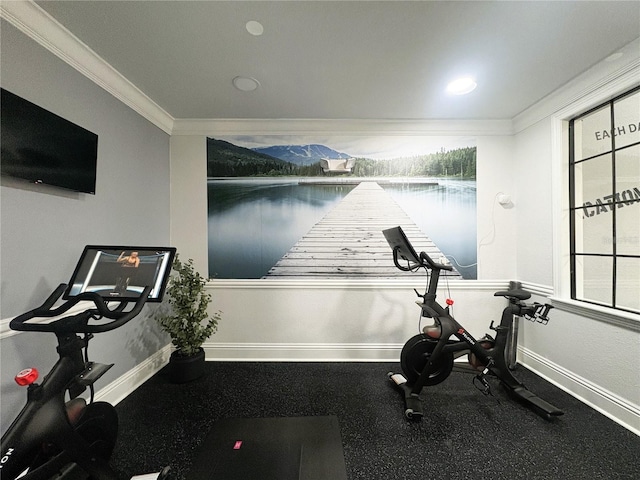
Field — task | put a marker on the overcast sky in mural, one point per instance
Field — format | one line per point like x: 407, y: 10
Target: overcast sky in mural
x: 373, y: 147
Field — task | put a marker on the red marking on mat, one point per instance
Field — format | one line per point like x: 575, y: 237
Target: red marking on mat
x: 237, y: 445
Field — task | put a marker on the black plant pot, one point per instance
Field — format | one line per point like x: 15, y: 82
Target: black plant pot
x: 183, y: 368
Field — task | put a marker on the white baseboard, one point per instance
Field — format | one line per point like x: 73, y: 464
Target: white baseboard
x: 118, y: 390
x: 302, y: 352
x: 618, y: 409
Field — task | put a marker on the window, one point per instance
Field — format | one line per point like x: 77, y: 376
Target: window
x: 604, y: 182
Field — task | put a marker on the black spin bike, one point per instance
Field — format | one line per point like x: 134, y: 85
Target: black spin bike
x: 428, y: 358
x: 58, y: 434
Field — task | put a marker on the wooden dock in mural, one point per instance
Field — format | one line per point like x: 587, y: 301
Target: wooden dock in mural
x: 348, y: 242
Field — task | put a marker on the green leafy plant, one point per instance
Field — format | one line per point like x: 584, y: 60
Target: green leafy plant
x: 186, y: 318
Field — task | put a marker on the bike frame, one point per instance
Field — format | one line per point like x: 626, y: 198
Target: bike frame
x: 493, y: 359
x: 44, y: 420
x: 47, y: 419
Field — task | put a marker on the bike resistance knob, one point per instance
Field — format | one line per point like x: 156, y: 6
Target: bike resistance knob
x: 26, y: 377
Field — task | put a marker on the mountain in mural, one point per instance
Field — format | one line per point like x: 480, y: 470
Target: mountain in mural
x: 301, y: 154
x: 225, y: 159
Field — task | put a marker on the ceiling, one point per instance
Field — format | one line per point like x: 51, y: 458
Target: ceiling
x: 349, y: 60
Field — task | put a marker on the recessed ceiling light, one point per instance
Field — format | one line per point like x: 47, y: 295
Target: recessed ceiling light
x: 246, y: 84
x: 462, y: 86
x: 254, y: 28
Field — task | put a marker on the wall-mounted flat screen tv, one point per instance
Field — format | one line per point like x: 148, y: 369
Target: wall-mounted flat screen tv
x: 44, y: 148
x: 122, y: 273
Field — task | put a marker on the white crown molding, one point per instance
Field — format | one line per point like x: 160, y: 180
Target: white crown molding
x: 38, y: 25
x: 196, y: 126
x: 602, y: 82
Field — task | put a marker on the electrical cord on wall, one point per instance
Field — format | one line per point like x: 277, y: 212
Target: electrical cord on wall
x: 492, y: 233
x: 452, y: 258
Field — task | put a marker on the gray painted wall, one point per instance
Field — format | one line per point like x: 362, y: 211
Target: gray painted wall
x: 44, y: 229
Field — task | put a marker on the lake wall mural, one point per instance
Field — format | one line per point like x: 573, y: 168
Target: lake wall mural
x: 270, y: 198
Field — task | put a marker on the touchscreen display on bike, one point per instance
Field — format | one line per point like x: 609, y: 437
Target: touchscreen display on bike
x: 399, y: 243
x: 122, y: 273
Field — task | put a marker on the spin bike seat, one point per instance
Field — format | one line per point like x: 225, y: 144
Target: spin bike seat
x: 517, y: 293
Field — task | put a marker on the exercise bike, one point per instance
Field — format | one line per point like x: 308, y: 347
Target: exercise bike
x: 56, y: 438
x: 429, y: 357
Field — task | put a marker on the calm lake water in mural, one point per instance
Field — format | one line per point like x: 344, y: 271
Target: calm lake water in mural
x: 253, y: 222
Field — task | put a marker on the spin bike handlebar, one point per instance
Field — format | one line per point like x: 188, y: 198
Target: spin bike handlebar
x: 537, y: 312
x: 78, y: 323
x: 424, y: 260
x: 434, y: 265
x: 402, y: 249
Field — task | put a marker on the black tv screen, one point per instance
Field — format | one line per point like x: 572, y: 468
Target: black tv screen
x: 121, y: 273
x: 44, y: 148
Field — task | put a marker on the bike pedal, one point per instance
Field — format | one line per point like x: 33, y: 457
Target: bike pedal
x: 398, y: 378
x: 486, y: 387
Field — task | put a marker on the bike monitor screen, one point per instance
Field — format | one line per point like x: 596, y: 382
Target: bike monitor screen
x: 399, y: 243
x: 122, y: 273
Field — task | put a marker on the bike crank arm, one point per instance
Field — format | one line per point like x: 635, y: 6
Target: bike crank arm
x: 412, y: 403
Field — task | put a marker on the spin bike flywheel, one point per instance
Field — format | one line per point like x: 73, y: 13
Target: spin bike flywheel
x: 97, y: 425
x: 415, y: 355
x: 99, y: 428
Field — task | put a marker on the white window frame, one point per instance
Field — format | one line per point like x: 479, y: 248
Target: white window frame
x: 576, y: 161
x: 561, y: 297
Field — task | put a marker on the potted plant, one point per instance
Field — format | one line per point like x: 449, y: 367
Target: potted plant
x: 187, y: 321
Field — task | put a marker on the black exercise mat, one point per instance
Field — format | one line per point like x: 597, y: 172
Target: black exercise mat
x: 285, y: 448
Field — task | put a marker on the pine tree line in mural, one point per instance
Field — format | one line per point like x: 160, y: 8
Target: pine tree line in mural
x: 453, y: 163
x: 225, y: 159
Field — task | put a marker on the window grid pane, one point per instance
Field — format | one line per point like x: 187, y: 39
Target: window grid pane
x: 595, y: 275
x: 628, y: 279
x: 604, y: 188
